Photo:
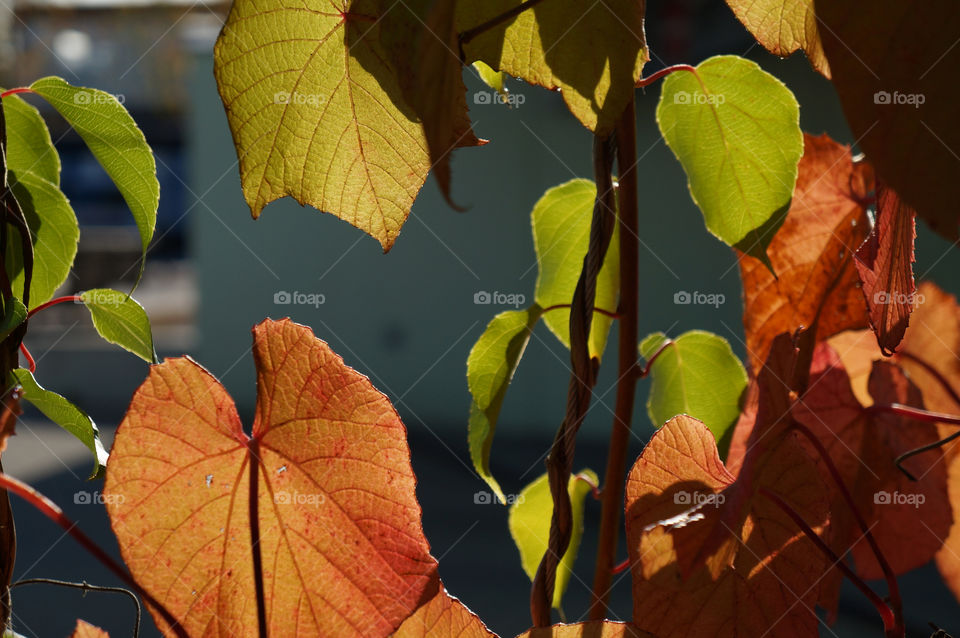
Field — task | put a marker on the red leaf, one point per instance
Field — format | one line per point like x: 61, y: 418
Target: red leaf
x: 815, y: 282
x: 908, y: 519
x: 712, y: 556
x: 885, y: 265
x: 340, y: 533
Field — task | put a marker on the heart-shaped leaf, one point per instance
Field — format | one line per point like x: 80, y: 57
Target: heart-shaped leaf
x: 736, y: 130
x: 695, y: 374
x: 65, y: 414
x: 121, y: 320
x: 343, y: 552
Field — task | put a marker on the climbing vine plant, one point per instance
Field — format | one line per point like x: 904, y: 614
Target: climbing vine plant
x: 826, y: 455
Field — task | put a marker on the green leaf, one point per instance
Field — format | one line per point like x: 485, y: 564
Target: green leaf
x: 121, y: 320
x: 66, y: 415
x: 55, y: 233
x: 14, y: 313
x: 696, y: 374
x: 116, y: 142
x: 493, y: 79
x: 490, y: 368
x: 736, y: 130
x: 29, y: 147
x: 561, y: 234
x: 317, y: 112
x: 529, y: 523
x: 594, y: 53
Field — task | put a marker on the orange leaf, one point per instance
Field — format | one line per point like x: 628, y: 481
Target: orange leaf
x: 908, y: 519
x: 443, y: 617
x: 685, y: 509
x: 885, y: 265
x: 815, y: 282
x: 86, y: 630
x: 594, y: 629
x: 343, y: 551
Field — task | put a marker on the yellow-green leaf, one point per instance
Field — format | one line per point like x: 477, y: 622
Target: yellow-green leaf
x: 593, y: 52
x: 490, y: 367
x: 561, y: 234
x: 121, y: 320
x: 317, y: 112
x: 529, y: 523
x: 493, y: 79
x: 29, y: 147
x: 736, y: 130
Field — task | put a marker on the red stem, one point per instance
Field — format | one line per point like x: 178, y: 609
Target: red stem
x: 889, y: 618
x: 892, y: 586
x: 619, y: 568
x: 19, y: 89
x: 612, y: 315
x: 49, y: 509
x: 31, y: 364
x: 642, y: 82
x: 54, y: 302
x: 918, y: 414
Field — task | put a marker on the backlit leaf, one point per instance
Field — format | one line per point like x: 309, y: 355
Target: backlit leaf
x: 735, y: 129
x: 783, y: 26
x: 907, y: 518
x: 443, y: 617
x: 340, y: 534
x: 317, y: 112
x: 593, y: 53
x: 493, y: 79
x: 117, y: 143
x: 561, y: 235
x: 815, y: 283
x: 529, y: 523
x: 121, y: 320
x: 490, y: 367
x: 885, y: 265
x: 55, y: 231
x: 29, y: 147
x: 66, y: 415
x: 695, y: 374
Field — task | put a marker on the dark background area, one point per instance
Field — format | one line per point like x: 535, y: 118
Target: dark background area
x: 406, y: 319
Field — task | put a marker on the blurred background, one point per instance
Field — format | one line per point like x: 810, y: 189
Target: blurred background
x: 406, y: 319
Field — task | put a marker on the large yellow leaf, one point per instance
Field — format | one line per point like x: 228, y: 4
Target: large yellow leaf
x: 317, y: 112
